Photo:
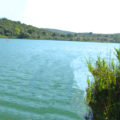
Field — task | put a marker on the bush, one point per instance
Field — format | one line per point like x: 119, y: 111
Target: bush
x: 103, y: 93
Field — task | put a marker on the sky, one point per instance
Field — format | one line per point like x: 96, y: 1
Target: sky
x: 97, y: 16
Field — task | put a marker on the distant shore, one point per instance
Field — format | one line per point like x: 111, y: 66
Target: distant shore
x: 18, y: 30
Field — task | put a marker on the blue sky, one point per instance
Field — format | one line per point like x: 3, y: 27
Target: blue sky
x: 98, y: 16
x: 12, y: 9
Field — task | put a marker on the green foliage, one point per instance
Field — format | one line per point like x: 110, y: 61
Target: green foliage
x: 15, y: 29
x: 103, y: 94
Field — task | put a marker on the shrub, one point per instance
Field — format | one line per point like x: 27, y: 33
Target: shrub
x: 103, y: 93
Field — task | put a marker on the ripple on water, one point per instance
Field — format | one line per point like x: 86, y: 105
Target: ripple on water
x: 44, y: 80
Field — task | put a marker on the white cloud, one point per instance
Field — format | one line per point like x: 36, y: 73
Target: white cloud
x: 101, y: 16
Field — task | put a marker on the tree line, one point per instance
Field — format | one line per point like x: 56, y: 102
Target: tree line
x: 16, y: 29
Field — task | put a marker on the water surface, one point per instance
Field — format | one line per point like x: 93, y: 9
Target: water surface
x: 46, y: 80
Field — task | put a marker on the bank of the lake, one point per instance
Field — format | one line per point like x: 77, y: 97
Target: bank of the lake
x: 16, y: 29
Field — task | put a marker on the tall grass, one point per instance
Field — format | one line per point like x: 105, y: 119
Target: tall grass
x: 103, y: 93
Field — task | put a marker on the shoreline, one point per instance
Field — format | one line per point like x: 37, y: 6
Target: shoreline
x: 56, y: 40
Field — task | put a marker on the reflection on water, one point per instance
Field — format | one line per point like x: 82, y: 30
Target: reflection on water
x: 44, y: 80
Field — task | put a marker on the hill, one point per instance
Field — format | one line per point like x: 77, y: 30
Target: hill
x: 59, y: 31
x: 16, y: 29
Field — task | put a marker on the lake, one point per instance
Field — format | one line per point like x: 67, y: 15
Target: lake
x: 45, y: 79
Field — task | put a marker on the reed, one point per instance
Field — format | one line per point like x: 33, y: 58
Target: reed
x: 103, y: 92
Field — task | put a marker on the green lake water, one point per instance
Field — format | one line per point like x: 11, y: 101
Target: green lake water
x: 45, y: 79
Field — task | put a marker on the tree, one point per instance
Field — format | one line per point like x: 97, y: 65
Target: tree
x: 24, y: 35
x: 17, y: 31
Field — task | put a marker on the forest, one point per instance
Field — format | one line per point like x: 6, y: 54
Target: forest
x: 16, y: 29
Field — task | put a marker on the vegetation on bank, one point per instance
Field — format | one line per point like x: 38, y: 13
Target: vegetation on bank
x: 16, y: 29
x: 103, y: 94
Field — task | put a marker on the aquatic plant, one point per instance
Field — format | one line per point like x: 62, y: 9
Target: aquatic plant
x: 103, y: 92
